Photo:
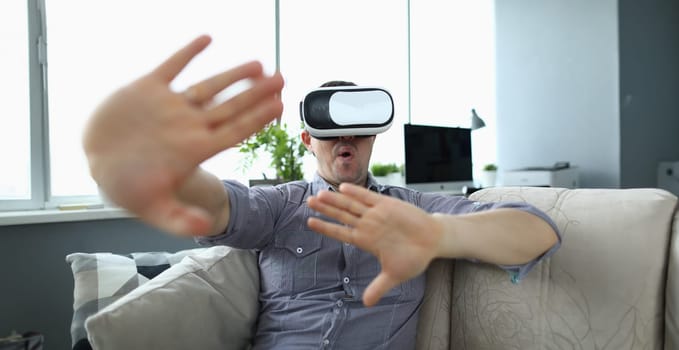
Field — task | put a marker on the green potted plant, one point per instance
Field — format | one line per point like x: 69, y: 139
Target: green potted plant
x: 286, y: 152
x: 379, y: 169
x: 387, y: 174
x: 490, y: 167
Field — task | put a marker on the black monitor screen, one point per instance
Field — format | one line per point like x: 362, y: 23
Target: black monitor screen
x: 437, y: 154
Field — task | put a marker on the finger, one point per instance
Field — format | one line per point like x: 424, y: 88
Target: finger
x: 175, y: 217
x: 239, y: 128
x: 362, y: 194
x: 331, y: 210
x: 343, y: 202
x: 377, y: 288
x: 169, y: 69
x: 207, y: 89
x: 262, y: 89
x: 332, y: 230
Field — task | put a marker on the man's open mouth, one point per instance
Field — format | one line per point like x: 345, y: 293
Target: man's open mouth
x: 345, y: 152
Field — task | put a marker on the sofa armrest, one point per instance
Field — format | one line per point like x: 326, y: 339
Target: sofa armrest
x: 672, y: 291
x: 604, y: 288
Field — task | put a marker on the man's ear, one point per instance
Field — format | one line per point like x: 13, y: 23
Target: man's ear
x: 306, y: 139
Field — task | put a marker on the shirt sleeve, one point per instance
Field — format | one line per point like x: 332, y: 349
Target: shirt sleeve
x: 461, y: 205
x: 254, y: 212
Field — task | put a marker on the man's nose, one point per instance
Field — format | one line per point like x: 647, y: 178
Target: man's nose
x: 347, y: 137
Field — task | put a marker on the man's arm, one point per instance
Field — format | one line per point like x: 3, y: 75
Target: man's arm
x: 501, y: 236
x: 405, y: 239
x: 204, y: 190
x: 145, y: 143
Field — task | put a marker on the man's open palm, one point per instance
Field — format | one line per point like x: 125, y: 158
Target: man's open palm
x: 400, y: 235
x: 145, y: 141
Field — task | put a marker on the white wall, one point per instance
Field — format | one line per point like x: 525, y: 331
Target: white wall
x: 557, y: 86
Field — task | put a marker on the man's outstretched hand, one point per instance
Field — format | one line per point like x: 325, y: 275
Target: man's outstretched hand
x: 146, y: 141
x: 403, y: 237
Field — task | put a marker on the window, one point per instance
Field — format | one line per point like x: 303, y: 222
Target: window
x: 90, y: 55
x: 436, y: 58
x: 453, y: 69
x: 360, y: 41
x: 15, y: 150
x: 446, y: 69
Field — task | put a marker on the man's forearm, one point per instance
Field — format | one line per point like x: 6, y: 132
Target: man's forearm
x: 206, y: 191
x: 502, y: 236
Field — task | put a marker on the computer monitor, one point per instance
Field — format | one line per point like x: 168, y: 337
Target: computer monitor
x: 438, y: 159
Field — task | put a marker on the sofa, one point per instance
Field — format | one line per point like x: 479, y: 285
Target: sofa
x: 612, y: 285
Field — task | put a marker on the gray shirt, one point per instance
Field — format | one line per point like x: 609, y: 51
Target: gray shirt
x: 311, y: 285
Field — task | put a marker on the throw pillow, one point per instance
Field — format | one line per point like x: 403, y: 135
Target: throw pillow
x: 207, y: 301
x: 102, y: 278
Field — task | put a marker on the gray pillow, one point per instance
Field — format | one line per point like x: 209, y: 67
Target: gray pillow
x: 102, y: 278
x: 207, y: 301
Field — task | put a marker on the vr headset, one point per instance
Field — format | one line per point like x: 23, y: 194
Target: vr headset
x: 346, y: 111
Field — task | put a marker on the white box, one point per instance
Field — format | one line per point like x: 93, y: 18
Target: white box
x: 542, y: 177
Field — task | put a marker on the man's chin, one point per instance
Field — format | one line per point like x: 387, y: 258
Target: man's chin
x: 348, y: 174
x: 354, y: 179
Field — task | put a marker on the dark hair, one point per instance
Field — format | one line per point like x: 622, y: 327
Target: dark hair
x: 337, y: 83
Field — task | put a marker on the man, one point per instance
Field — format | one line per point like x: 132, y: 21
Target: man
x: 145, y: 145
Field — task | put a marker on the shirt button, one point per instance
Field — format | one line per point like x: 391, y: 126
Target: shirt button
x: 326, y: 342
x: 339, y: 303
x: 346, y: 279
x: 299, y: 250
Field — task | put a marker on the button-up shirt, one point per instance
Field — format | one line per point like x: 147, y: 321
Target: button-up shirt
x: 311, y: 285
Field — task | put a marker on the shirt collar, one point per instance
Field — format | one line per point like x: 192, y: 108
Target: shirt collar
x: 320, y: 184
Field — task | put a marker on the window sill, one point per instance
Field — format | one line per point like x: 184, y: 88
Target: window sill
x: 55, y: 215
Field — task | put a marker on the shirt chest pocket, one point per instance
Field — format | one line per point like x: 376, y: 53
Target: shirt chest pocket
x: 298, y: 252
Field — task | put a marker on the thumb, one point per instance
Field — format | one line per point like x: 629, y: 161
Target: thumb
x: 377, y: 288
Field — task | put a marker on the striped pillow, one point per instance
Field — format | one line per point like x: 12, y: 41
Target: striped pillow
x: 102, y: 278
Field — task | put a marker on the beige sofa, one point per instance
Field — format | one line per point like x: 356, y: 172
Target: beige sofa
x: 612, y: 285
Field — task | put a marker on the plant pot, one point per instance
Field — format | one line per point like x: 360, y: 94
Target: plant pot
x: 391, y: 179
x: 488, y: 178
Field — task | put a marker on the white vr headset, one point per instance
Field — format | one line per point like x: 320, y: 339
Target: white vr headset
x: 347, y: 111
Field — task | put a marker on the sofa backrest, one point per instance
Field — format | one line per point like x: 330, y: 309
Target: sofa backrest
x: 603, y: 289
